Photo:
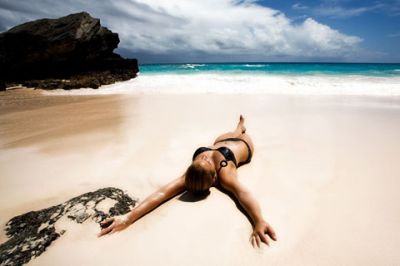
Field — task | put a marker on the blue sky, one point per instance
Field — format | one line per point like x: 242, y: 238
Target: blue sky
x: 235, y: 30
x: 376, y: 22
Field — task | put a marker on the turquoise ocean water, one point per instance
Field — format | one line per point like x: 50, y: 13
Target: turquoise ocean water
x: 263, y: 78
x: 365, y: 69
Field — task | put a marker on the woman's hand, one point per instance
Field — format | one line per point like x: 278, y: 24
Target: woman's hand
x: 260, y: 234
x: 114, y: 224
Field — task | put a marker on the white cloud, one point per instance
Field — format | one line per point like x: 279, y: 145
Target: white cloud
x: 299, y: 6
x: 209, y: 27
x: 342, y: 12
x: 321, y: 39
x: 341, y: 9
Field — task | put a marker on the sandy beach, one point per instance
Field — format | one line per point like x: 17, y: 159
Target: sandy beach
x: 325, y: 172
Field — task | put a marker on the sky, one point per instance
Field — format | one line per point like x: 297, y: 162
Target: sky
x: 183, y: 31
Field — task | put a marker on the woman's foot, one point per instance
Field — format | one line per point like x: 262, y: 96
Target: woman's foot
x: 241, y: 125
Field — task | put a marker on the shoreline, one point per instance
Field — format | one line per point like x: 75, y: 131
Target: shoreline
x: 247, y: 84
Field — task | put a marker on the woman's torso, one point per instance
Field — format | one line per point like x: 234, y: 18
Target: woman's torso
x: 241, y: 150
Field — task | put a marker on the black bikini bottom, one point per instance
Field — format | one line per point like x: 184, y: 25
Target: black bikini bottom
x: 225, y: 151
x: 248, y: 149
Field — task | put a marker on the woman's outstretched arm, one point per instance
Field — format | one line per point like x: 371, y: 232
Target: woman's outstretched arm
x: 150, y: 203
x: 261, y: 228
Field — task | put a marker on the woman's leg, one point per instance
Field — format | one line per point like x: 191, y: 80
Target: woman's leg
x: 237, y: 133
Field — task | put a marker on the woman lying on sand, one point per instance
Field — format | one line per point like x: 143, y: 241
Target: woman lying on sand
x: 211, y: 166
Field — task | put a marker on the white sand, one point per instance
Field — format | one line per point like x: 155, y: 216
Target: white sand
x: 325, y: 172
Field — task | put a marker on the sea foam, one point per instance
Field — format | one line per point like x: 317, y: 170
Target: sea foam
x: 221, y: 83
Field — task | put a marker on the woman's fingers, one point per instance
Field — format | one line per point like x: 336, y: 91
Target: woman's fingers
x: 106, y: 221
x: 263, y: 238
x: 106, y: 230
x: 270, y: 231
x: 258, y: 241
x: 253, y: 240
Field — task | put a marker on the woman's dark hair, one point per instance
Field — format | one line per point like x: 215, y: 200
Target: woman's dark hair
x: 198, y: 179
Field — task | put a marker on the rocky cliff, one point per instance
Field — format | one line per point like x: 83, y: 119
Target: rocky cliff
x: 70, y: 52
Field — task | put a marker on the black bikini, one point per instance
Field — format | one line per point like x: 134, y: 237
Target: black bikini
x: 226, y: 152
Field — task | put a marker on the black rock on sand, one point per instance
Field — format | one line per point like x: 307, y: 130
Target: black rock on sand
x: 31, y: 233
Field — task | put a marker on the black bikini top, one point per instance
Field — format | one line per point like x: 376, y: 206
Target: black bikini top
x: 226, y: 152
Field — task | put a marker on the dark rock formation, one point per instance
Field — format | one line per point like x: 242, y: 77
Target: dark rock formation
x: 2, y: 85
x: 73, y: 51
x: 31, y: 233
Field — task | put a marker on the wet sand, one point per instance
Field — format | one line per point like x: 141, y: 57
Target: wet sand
x: 325, y: 172
x: 27, y: 117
